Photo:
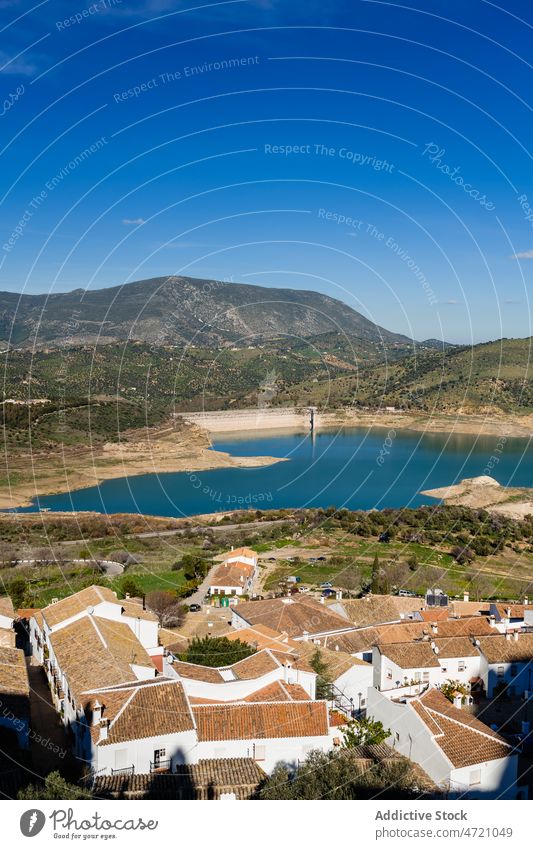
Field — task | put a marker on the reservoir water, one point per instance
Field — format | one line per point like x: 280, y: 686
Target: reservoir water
x: 351, y: 467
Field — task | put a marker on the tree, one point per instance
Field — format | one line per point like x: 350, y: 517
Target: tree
x: 364, y: 732
x: 323, y: 676
x: 167, y: 607
x: 340, y: 775
x: 54, y: 787
x: 18, y: 590
x: 194, y: 566
x: 129, y: 586
x: 216, y: 651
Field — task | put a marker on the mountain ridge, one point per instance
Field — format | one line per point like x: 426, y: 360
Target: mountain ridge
x: 181, y: 310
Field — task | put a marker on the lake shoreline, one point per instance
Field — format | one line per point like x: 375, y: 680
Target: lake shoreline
x: 190, y: 448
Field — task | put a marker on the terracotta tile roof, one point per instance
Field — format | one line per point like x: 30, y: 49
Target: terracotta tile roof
x: 147, y: 711
x: 95, y: 652
x: 262, y: 637
x: 292, y: 615
x: 470, y: 626
x: 297, y: 661
x: 470, y: 608
x: 338, y: 662
x: 13, y: 672
x: 439, y: 614
x: 231, y: 575
x: 279, y: 691
x: 77, y: 603
x: 517, y: 610
x: 135, y: 609
x: 27, y: 612
x: 261, y: 721
x: 205, y: 780
x: 463, y: 739
x: 363, y: 639
x: 243, y: 552
x: 498, y: 649
x: 455, y: 647
x: 196, y: 672
x: 8, y: 638
x: 172, y: 640
x: 378, y: 609
x: 410, y: 655
x: 258, y: 664
x: 6, y: 607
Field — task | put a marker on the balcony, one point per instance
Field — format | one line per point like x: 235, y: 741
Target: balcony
x: 125, y: 770
x: 160, y: 765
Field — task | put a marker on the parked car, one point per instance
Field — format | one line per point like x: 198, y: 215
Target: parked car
x: 326, y: 585
x: 327, y: 593
x: 321, y: 557
x: 406, y: 594
x: 195, y: 608
x: 303, y: 589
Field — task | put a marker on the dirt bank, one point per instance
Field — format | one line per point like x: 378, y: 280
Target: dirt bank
x: 187, y: 449
x: 292, y: 418
x: 487, y: 493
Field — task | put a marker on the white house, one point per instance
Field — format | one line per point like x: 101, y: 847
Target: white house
x: 241, y: 555
x: 154, y: 726
x: 457, y: 751
x: 233, y: 578
x: 350, y: 676
x: 507, y: 662
x: 7, y: 618
x: 244, y: 678
x: 401, y: 665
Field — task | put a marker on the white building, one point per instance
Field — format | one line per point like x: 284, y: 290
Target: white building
x: 155, y: 726
x: 236, y: 573
x: 401, y: 666
x: 507, y: 663
x: 7, y: 618
x: 14, y: 696
x: 458, y: 752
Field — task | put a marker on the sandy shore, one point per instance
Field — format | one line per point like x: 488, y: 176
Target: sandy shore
x: 186, y: 446
x: 186, y: 450
x: 487, y: 493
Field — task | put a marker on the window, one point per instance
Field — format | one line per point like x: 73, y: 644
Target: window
x: 500, y: 671
x: 425, y: 677
x: 417, y: 676
x: 259, y: 753
x: 389, y: 673
x: 514, y: 670
x: 121, y: 758
x: 159, y: 755
x: 461, y: 666
x: 475, y: 777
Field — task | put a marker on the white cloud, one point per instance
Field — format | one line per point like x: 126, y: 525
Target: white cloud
x: 19, y: 65
x: 133, y: 222
x: 523, y: 255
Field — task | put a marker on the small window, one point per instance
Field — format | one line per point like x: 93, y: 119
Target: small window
x: 159, y: 756
x: 500, y: 671
x: 417, y: 676
x: 259, y: 753
x: 475, y: 777
x: 425, y: 677
x: 389, y: 673
x: 461, y: 666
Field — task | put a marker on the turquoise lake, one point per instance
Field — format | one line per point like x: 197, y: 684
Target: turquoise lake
x: 351, y: 467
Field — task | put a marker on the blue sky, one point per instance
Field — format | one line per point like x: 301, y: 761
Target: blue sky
x: 375, y: 151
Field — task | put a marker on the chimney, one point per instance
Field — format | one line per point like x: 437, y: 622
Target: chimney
x: 97, y: 713
x: 306, y: 636
x: 127, y: 595
x: 287, y: 666
x: 104, y: 726
x: 492, y: 621
x: 466, y: 596
x: 526, y: 601
x: 434, y: 628
x: 508, y: 636
x: 515, y: 636
x: 458, y: 700
x: 322, y: 600
x: 508, y: 612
